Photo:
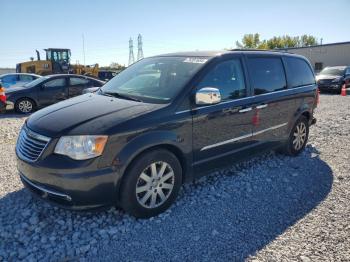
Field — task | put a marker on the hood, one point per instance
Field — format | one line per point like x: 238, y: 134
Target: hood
x: 328, y: 77
x: 86, y: 114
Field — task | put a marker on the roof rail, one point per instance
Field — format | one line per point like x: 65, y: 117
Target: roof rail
x: 264, y: 50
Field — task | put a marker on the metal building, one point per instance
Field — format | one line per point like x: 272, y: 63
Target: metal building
x: 320, y: 56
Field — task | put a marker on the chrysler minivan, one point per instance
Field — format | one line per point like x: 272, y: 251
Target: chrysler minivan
x: 164, y: 121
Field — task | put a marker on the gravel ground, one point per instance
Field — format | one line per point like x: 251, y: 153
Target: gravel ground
x: 270, y: 208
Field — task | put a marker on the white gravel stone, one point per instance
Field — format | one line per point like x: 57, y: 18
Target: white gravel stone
x: 269, y: 208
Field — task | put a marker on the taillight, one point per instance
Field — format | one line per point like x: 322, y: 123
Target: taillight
x: 2, y: 95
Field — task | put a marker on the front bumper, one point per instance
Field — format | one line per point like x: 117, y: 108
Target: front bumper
x: 9, y: 105
x: 81, y: 187
x: 330, y: 87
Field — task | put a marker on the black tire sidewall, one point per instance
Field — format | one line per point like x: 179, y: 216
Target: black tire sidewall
x: 291, y: 150
x: 128, y: 187
x: 24, y: 99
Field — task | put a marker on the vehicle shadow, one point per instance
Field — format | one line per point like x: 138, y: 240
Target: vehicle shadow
x: 13, y: 114
x: 227, y: 216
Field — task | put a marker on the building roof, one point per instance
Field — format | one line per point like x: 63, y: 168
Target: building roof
x: 222, y: 52
x: 311, y: 46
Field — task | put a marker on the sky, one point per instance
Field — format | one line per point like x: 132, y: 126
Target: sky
x: 166, y: 26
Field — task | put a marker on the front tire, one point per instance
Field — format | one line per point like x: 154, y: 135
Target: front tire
x: 25, y: 106
x: 298, y: 138
x: 151, y: 184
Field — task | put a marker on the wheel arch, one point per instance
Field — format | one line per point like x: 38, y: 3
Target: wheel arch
x: 127, y: 155
x: 35, y: 104
x: 307, y: 114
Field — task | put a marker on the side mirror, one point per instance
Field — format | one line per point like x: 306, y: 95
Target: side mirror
x: 208, y: 96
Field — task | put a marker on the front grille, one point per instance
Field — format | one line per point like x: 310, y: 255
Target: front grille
x: 30, y: 145
x: 325, y: 81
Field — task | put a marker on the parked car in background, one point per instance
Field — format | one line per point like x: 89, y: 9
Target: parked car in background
x: 48, y: 90
x: 333, y: 78
x: 17, y: 79
x: 2, y: 99
x: 163, y: 121
x: 106, y: 75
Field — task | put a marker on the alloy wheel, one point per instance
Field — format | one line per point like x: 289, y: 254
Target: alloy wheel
x: 25, y: 106
x: 299, y: 136
x: 155, y: 184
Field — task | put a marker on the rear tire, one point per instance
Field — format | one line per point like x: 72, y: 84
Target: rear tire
x: 151, y: 183
x: 25, y: 106
x: 297, y: 139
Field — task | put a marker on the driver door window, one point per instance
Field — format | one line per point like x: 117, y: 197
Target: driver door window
x: 228, y: 77
x: 54, y: 91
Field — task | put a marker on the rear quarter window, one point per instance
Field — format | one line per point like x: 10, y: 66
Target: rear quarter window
x: 299, y: 72
x: 267, y: 74
x: 95, y: 83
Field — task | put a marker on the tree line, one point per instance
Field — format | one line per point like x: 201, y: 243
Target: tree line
x: 285, y: 41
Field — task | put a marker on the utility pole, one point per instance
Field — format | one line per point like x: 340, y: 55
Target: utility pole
x: 83, y: 48
x: 131, y: 52
x: 139, y: 47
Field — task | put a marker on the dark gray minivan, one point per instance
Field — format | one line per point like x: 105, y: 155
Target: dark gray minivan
x: 164, y: 121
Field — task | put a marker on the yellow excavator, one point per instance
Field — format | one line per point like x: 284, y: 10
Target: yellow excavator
x: 57, y: 62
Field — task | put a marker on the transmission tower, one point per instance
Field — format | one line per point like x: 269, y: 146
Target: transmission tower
x: 131, y: 52
x: 139, y: 48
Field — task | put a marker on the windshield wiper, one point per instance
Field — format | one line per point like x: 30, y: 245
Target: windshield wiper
x: 119, y: 95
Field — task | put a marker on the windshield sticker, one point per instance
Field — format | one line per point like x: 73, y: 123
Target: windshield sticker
x: 195, y: 60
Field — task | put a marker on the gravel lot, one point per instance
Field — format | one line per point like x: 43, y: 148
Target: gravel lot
x: 271, y: 208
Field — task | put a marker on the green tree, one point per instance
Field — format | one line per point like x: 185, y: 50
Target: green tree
x: 308, y: 40
x: 249, y: 41
x: 253, y: 41
x: 113, y: 66
x: 263, y: 45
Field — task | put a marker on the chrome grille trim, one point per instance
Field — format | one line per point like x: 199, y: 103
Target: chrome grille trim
x: 45, y: 190
x: 30, y: 145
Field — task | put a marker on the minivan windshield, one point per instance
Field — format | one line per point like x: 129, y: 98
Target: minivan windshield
x: 155, y: 79
x: 36, y: 81
x: 332, y: 71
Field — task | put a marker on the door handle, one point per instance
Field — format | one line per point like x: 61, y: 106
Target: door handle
x: 261, y: 106
x: 245, y: 110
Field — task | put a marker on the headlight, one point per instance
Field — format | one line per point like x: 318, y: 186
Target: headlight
x: 81, y: 147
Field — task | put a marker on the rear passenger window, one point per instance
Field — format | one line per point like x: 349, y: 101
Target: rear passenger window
x: 228, y: 78
x: 267, y: 74
x: 298, y: 72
